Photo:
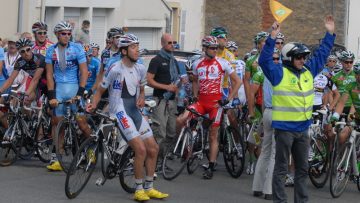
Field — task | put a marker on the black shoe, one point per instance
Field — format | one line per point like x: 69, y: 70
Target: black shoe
x: 208, y: 174
x: 257, y: 194
x: 268, y: 196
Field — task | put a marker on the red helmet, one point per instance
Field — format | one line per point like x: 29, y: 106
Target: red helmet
x: 210, y: 41
x: 39, y: 26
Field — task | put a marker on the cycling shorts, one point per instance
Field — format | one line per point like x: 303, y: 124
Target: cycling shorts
x: 64, y: 92
x: 209, y: 105
x: 131, y: 122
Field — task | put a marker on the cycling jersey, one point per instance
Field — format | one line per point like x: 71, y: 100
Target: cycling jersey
x: 124, y: 86
x: 353, y: 90
x: 66, y: 71
x: 342, y: 80
x: 93, y: 70
x: 41, y: 49
x: 258, y: 78
x: 249, y: 65
x: 106, y: 54
x: 37, y: 61
x: 321, y: 84
x: 117, y: 57
x: 240, y: 68
x: 228, y: 56
x: 211, y: 75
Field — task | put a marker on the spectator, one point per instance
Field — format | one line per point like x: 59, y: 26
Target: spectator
x: 11, y: 57
x: 83, y: 36
x: 26, y: 35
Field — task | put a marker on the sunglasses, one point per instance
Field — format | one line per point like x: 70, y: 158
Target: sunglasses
x: 348, y: 62
x: 276, y: 58
x: 23, y: 51
x: 41, y: 33
x: 300, y: 57
x: 65, y: 33
x: 332, y: 61
x: 279, y: 42
x: 213, y: 48
x: 222, y: 36
x: 173, y: 42
x: 117, y: 37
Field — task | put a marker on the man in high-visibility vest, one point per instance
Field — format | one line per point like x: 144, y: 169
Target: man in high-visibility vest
x: 293, y: 98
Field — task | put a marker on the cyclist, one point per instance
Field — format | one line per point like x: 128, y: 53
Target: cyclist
x: 66, y: 74
x: 95, y: 50
x: 126, y: 80
x: 30, y: 67
x: 42, y: 42
x: 209, y: 73
x: 93, y: 65
x: 280, y: 40
x: 351, y: 91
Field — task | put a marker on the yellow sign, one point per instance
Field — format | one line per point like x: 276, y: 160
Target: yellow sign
x: 279, y: 11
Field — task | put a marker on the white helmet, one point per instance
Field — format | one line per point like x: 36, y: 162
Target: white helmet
x: 63, y: 25
x: 292, y: 49
x: 127, y: 40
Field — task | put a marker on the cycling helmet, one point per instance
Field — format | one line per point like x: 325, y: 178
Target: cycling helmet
x: 24, y: 42
x: 94, y: 45
x: 127, y: 40
x: 356, y: 67
x: 247, y: 55
x: 209, y: 41
x: 63, y: 25
x: 337, y: 68
x: 332, y: 57
x: 280, y: 36
x: 254, y: 52
x: 293, y: 49
x: 88, y: 50
x: 39, y: 26
x: 346, y: 55
x: 114, y: 31
x: 260, y: 36
x: 231, y: 45
x: 217, y: 31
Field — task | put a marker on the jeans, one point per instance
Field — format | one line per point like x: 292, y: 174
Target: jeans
x: 296, y: 143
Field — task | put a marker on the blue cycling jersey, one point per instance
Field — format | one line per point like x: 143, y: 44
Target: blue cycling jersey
x: 2, y: 54
x: 93, y: 69
x: 74, y: 55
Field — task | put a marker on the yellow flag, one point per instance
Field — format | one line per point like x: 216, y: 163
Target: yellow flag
x: 279, y: 11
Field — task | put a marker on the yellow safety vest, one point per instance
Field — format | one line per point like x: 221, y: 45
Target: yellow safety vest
x: 293, y: 97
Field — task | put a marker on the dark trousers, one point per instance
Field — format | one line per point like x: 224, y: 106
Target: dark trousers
x: 296, y: 143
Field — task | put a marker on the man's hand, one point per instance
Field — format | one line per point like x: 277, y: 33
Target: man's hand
x: 140, y: 103
x: 27, y: 100
x: 53, y: 103
x: 172, y: 88
x: 330, y: 24
x: 275, y: 29
x: 90, y: 107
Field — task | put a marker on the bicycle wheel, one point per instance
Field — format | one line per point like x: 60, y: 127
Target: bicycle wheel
x: 319, y: 166
x: 177, y: 155
x: 66, y: 144
x: 44, y: 141
x: 81, y: 168
x: 340, y: 171
x: 233, y: 153
x: 9, y: 150
x: 127, y: 173
x: 198, y: 153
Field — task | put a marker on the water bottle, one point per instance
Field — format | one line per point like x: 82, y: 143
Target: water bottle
x: 181, y: 97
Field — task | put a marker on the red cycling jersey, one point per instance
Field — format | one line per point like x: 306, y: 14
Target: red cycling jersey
x: 37, y: 49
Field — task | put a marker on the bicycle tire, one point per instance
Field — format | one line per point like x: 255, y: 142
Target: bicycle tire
x: 319, y: 167
x: 82, y: 163
x: 127, y: 171
x: 171, y: 155
x: 231, y: 155
x: 27, y: 149
x: 44, y: 142
x: 198, y: 152
x: 65, y: 158
x: 9, y: 152
x: 338, y: 153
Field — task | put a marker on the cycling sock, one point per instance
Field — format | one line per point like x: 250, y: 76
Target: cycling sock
x: 139, y: 184
x: 211, y: 165
x: 149, y: 182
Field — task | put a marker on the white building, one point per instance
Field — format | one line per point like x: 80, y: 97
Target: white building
x: 148, y: 19
x: 352, y: 39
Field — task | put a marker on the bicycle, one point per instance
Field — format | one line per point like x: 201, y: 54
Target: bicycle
x: 188, y: 149
x: 319, y: 154
x: 344, y: 159
x: 116, y: 159
x: 23, y: 137
x: 233, y: 146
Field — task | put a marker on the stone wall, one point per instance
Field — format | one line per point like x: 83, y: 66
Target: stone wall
x: 244, y: 18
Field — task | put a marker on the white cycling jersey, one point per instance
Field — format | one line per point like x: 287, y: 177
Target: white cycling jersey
x: 321, y: 85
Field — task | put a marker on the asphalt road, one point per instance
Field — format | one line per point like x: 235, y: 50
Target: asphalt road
x: 29, y: 181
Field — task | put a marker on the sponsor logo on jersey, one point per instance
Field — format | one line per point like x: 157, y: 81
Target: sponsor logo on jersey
x: 117, y: 85
x: 123, y: 120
